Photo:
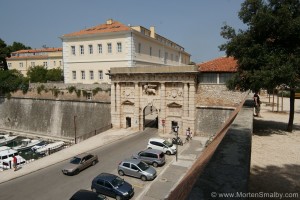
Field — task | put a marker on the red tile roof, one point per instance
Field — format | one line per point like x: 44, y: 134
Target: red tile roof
x: 222, y: 64
x: 115, y: 26
x: 38, y: 50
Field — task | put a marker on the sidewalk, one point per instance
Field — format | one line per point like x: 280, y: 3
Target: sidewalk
x: 101, y: 139
x: 275, y: 161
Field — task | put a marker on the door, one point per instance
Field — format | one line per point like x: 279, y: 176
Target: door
x: 135, y: 171
x: 128, y: 122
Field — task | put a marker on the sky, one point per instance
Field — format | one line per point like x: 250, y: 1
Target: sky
x: 193, y: 24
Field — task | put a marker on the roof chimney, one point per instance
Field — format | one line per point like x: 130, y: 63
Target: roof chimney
x: 109, y: 21
x: 152, y: 31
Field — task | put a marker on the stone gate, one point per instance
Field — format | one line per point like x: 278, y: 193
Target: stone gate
x: 169, y: 89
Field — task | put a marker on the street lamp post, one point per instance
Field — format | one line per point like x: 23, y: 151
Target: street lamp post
x: 176, y: 131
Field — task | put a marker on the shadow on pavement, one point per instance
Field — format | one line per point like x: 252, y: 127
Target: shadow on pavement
x: 275, y: 179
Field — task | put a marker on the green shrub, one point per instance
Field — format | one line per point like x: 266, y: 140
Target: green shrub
x: 71, y: 89
x: 78, y: 93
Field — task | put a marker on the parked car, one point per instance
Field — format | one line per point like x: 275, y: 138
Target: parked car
x: 136, y: 168
x: 79, y: 163
x: 113, y: 186
x: 87, y: 195
x: 161, y: 144
x: 151, y: 156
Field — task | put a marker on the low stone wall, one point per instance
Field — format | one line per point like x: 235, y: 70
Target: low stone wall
x: 53, y: 117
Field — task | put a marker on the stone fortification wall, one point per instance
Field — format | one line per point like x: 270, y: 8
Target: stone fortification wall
x: 210, y: 119
x: 52, y: 117
x: 214, y: 104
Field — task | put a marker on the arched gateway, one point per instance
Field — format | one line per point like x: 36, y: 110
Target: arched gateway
x: 170, y: 89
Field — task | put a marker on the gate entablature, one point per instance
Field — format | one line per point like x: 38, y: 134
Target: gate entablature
x: 170, y: 89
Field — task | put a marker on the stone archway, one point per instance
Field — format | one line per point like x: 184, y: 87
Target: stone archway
x: 171, y: 90
x: 150, y: 116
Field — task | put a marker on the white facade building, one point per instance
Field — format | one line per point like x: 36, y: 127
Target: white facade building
x: 90, y: 53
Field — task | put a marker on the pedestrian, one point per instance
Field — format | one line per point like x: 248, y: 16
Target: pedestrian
x: 257, y: 103
x: 188, y: 134
x: 15, y: 163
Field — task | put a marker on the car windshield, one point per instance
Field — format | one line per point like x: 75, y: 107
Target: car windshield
x: 143, y: 166
x: 117, y: 182
x: 168, y: 143
x: 75, y: 160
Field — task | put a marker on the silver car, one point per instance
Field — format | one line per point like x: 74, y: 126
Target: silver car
x: 151, y: 156
x: 136, y: 168
x: 79, y: 163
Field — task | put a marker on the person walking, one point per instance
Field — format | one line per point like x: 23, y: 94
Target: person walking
x: 257, y: 103
x: 188, y: 134
x: 15, y: 163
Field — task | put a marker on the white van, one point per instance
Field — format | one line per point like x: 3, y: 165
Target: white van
x: 161, y: 144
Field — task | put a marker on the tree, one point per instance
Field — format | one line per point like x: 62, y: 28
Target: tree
x: 37, y: 74
x: 5, y: 52
x: 16, y: 46
x: 54, y: 75
x: 11, y: 81
x: 268, y: 52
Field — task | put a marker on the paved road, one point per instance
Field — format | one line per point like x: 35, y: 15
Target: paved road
x: 50, y: 183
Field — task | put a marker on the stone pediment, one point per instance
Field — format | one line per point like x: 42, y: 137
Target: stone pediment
x: 127, y: 102
x: 174, y: 105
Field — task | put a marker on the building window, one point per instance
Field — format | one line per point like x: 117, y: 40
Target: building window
x: 73, y: 50
x: 209, y: 78
x: 109, y: 47
x: 74, y: 75
x: 89, y: 96
x: 99, y: 48
x: 54, y: 63
x: 159, y: 53
x: 100, y: 74
x: 139, y: 48
x: 92, y: 75
x: 91, y: 49
x: 82, y: 75
x: 20, y: 64
x: 224, y: 77
x: 60, y: 63
x: 81, y: 49
x: 9, y: 65
x: 32, y: 64
x: 119, y: 45
x: 171, y: 57
x: 45, y: 64
x: 150, y: 51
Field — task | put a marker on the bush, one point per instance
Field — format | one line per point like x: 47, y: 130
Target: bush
x: 71, y: 89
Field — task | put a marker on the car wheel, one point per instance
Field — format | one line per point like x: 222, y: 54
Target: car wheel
x: 155, y: 164
x: 168, y: 153
x: 144, y: 178
x: 149, y: 148
x: 76, y: 171
x: 94, y: 162
x: 121, y: 173
x: 118, y: 198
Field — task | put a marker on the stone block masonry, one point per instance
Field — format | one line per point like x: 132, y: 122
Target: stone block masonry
x: 52, y: 117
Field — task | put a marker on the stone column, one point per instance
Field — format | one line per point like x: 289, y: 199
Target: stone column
x: 162, y: 106
x: 192, y: 106
x: 113, y: 98
x: 185, y: 100
x: 118, y: 106
x: 136, y: 106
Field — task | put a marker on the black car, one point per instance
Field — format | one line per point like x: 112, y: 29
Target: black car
x: 113, y: 186
x: 87, y: 195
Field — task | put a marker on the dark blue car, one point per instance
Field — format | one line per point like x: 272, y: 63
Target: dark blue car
x: 113, y: 186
